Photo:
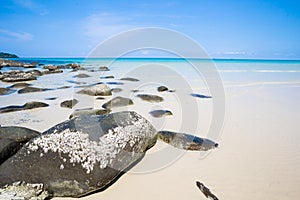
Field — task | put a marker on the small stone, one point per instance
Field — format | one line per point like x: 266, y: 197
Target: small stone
x: 150, y: 98
x: 117, y: 102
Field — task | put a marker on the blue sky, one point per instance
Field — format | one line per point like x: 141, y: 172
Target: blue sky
x: 225, y: 29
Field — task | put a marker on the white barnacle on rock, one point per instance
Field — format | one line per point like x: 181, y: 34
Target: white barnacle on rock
x: 80, y: 149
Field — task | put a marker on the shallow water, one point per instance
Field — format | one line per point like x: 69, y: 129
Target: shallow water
x: 258, y: 157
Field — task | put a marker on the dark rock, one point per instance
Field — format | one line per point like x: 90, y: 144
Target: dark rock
x: 107, y: 77
x: 69, y: 103
x: 82, y: 76
x: 201, y: 96
x: 63, y: 87
x: 103, y: 68
x: 26, y: 106
x: 103, y: 148
x: 135, y: 91
x: 89, y: 112
x: 116, y: 90
x: 114, y: 83
x: 160, y: 113
x: 5, y: 91
x: 162, y: 88
x: 32, y: 89
x: 150, y: 98
x: 96, y: 90
x: 130, y: 79
x: 12, y: 139
x: 206, y: 191
x: 51, y: 98
x: 100, y: 98
x: 20, y: 85
x: 117, y: 102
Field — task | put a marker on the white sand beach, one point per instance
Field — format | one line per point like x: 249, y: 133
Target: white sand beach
x: 258, y: 155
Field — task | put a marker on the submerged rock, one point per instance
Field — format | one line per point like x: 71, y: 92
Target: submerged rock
x: 26, y: 106
x: 96, y: 90
x: 82, y: 76
x: 129, y: 79
x: 32, y: 89
x: 5, y: 91
x: 107, y: 77
x: 69, y: 103
x: 117, y: 102
x: 150, y: 98
x: 77, y: 113
x: 160, y: 113
x: 116, y: 90
x: 20, y: 85
x: 201, y: 96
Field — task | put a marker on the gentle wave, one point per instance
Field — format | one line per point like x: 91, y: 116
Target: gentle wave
x: 261, y: 83
x: 259, y: 71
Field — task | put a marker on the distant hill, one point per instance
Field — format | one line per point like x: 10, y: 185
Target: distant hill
x: 7, y: 55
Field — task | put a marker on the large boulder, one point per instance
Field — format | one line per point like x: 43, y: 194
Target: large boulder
x: 81, y: 155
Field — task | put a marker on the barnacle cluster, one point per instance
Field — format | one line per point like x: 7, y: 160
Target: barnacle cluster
x: 80, y: 149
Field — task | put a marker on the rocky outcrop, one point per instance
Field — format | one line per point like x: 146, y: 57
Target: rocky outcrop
x: 69, y: 103
x: 160, y: 113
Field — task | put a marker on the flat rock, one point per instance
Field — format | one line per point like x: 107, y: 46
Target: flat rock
x: 117, y: 102
x: 32, y: 89
x: 26, y: 106
x: 5, y: 91
x: 201, y: 96
x: 20, y: 85
x: 69, y: 103
x: 77, y: 113
x: 150, y: 98
x: 129, y: 79
x: 116, y: 90
x: 96, y: 90
x: 160, y: 113
x: 81, y: 155
x: 107, y: 77
x: 82, y: 76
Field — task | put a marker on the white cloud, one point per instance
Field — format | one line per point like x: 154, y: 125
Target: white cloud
x: 100, y: 26
x: 16, y: 35
x: 33, y: 6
